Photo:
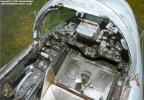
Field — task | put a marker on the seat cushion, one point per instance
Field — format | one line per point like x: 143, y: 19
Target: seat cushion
x: 56, y: 93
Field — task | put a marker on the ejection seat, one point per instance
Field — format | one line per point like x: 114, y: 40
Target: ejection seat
x: 51, y: 91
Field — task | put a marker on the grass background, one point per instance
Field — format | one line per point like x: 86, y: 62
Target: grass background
x: 17, y: 24
x: 16, y: 28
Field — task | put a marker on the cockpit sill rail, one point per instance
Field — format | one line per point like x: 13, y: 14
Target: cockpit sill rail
x: 10, y: 66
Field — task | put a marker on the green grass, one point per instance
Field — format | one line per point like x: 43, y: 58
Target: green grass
x: 17, y: 24
x: 138, y: 9
x: 16, y: 28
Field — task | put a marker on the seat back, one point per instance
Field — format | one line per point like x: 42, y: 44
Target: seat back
x: 57, y: 93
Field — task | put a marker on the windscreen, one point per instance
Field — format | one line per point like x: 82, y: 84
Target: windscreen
x: 55, y: 18
x: 95, y: 19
